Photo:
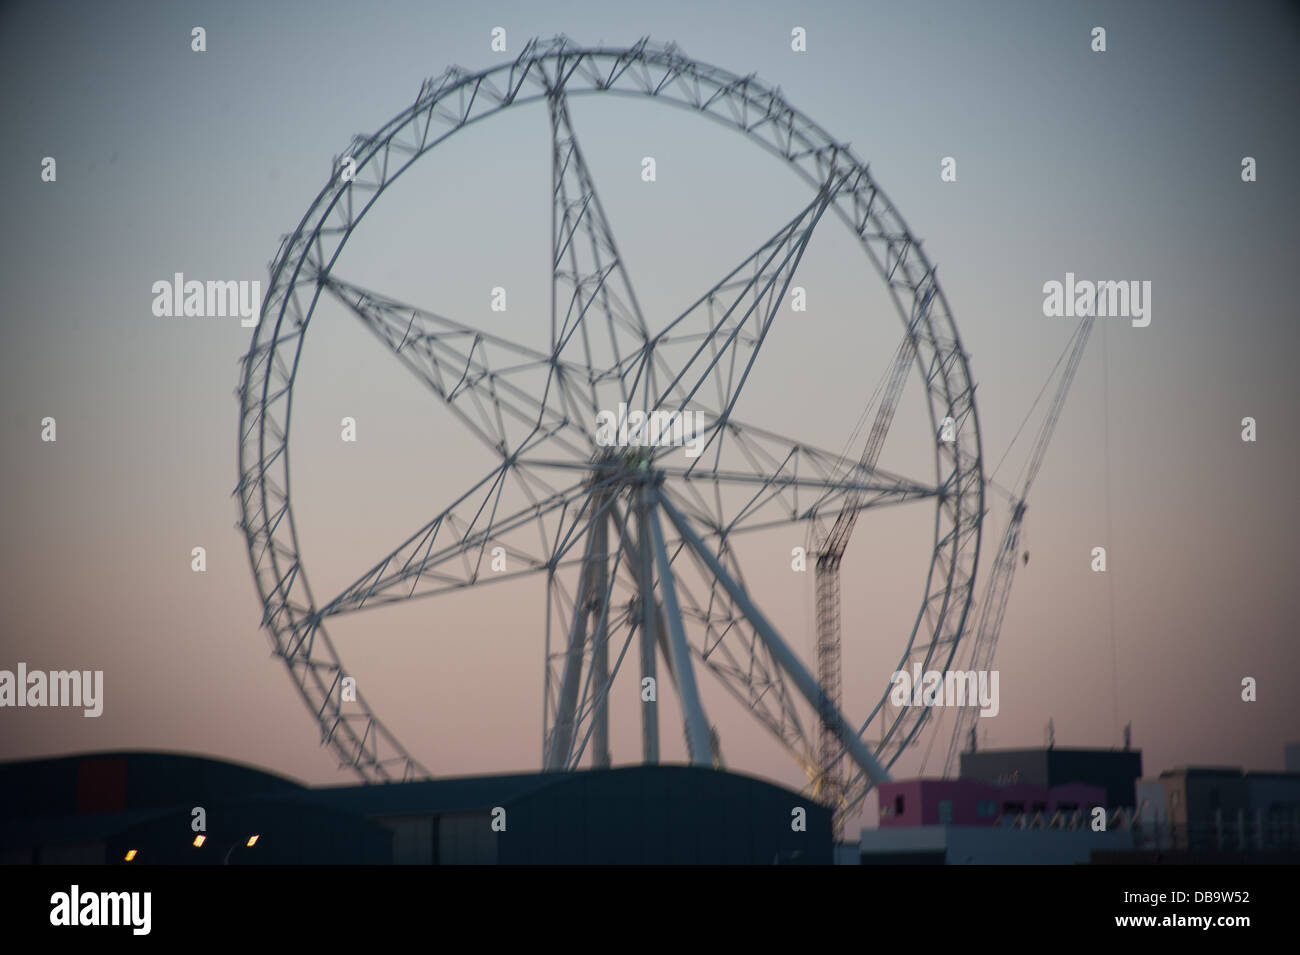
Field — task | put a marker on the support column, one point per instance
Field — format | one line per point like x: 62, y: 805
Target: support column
x: 649, y: 630
x: 697, y: 727
x: 561, y: 742
x: 600, y: 640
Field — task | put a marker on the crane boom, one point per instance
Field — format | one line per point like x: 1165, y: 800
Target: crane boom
x: 994, y: 606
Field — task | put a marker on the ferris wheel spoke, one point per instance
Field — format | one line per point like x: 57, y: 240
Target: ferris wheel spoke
x: 590, y: 287
x: 487, y: 381
x: 772, y: 481
x: 739, y: 310
x: 885, y: 489
x: 458, y: 547
x: 765, y: 501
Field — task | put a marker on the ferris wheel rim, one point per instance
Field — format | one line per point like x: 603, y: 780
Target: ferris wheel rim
x: 278, y: 569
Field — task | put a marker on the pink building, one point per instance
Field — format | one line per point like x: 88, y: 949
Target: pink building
x: 968, y: 802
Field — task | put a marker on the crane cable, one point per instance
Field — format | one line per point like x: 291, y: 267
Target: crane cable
x: 1029, y: 414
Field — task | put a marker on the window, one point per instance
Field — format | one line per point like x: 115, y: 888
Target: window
x: 945, y: 810
x: 986, y: 809
x: 898, y: 805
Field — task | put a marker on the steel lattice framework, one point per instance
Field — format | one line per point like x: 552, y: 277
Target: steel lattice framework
x: 629, y: 543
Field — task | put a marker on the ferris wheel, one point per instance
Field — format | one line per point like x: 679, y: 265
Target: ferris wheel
x: 623, y: 475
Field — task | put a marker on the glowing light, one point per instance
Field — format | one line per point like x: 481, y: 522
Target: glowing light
x: 252, y: 841
x: 199, y: 840
x: 130, y: 854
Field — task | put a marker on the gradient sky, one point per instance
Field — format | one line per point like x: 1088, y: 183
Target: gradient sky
x: 1122, y: 165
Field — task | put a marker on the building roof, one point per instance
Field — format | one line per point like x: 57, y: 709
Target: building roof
x: 118, y: 781
x: 458, y: 794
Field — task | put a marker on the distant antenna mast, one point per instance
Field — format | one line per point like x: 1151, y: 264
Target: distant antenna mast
x: 1128, y: 736
x: 1051, y: 734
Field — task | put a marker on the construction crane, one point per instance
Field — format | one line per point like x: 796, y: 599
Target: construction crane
x: 994, y: 606
x: 828, y: 788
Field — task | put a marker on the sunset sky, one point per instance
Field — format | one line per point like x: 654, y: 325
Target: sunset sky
x: 1122, y: 165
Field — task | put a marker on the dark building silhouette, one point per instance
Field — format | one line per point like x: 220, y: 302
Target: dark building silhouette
x: 1218, y: 809
x: 98, y: 808
x: 1115, y: 771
